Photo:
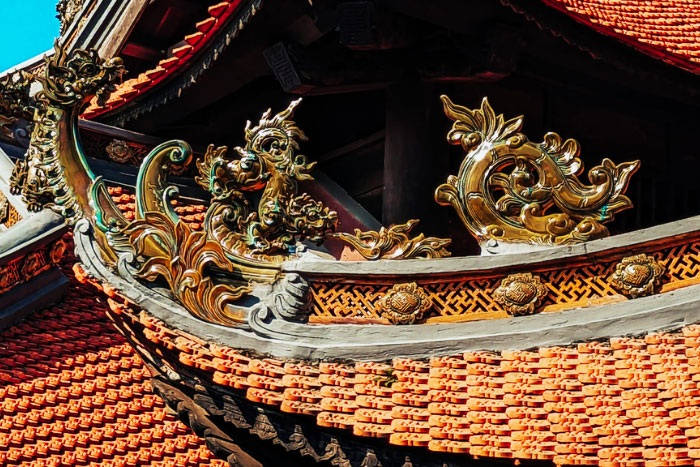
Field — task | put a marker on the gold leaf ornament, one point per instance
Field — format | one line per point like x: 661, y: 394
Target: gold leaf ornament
x: 395, y: 243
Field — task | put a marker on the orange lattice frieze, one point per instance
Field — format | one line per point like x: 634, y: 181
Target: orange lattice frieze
x: 623, y: 401
x: 464, y: 299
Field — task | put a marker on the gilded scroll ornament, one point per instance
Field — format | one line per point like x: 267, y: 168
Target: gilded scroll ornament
x: 637, y: 276
x: 404, y: 303
x: 68, y: 83
x: 395, y: 243
x: 520, y: 294
x: 511, y: 190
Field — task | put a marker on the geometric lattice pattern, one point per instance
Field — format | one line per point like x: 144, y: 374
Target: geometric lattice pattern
x: 613, y: 403
x: 575, y: 285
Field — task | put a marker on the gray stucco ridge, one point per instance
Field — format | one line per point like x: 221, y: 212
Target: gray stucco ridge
x: 30, y: 234
x: 579, y: 253
x: 663, y: 312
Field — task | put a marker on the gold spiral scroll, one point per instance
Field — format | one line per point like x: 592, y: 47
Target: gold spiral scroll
x: 511, y: 190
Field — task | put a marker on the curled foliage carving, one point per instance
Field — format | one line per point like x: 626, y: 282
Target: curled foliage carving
x: 186, y: 260
x: 395, y: 243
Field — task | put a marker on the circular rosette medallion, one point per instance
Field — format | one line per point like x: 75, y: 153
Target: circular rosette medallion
x: 637, y: 276
x: 404, y: 303
x: 520, y: 294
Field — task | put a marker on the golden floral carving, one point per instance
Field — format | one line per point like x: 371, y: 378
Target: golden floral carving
x: 404, y: 303
x: 511, y: 190
x: 520, y: 294
x: 394, y: 243
x: 637, y: 276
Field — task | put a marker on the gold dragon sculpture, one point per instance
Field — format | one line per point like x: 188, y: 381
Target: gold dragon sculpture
x: 511, y: 190
x: 267, y: 166
x: 53, y: 173
x: 256, y: 218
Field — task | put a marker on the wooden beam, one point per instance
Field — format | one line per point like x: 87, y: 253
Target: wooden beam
x: 415, y: 157
x: 352, y: 147
x: 140, y: 51
x: 119, y: 35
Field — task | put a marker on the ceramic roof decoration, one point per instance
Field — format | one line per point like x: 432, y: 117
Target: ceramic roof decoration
x: 209, y: 283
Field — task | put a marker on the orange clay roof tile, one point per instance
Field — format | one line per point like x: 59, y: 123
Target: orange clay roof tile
x: 668, y: 30
x: 83, y: 392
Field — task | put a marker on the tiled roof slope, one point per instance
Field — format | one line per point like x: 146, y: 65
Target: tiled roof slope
x: 620, y: 402
x: 219, y: 14
x: 665, y: 29
x: 74, y: 392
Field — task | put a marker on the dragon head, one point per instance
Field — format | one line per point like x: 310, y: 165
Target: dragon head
x: 276, y: 139
x: 74, y: 79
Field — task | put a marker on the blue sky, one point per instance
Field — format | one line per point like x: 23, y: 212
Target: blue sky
x: 28, y: 28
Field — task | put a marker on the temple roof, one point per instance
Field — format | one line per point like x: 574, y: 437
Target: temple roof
x: 668, y: 30
x: 664, y: 29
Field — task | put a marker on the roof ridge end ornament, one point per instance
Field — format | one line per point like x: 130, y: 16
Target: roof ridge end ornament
x: 513, y: 191
x: 54, y: 173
